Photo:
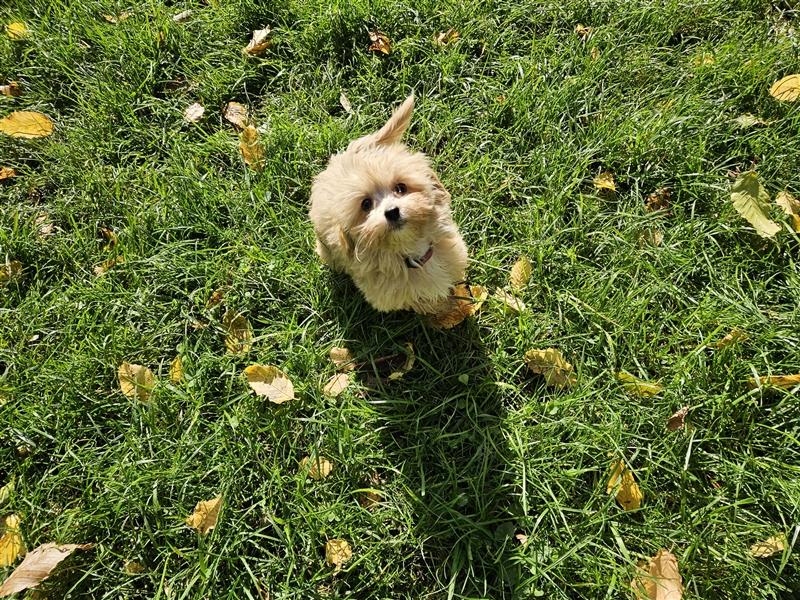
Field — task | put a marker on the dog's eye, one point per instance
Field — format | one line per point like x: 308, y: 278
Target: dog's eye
x: 366, y: 204
x: 400, y: 189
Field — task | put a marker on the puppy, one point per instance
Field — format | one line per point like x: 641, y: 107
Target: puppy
x: 382, y: 216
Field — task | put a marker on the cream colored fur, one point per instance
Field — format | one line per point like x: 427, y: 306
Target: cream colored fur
x: 364, y: 244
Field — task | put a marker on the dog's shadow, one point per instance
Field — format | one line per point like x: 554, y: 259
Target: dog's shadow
x: 440, y: 435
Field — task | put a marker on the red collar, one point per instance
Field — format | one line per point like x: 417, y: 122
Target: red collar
x: 418, y: 263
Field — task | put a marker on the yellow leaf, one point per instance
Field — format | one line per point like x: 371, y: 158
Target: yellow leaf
x: 133, y: 567
x: 7, y: 173
x: 677, y: 420
x: 119, y: 18
x: 9, y: 270
x: 259, y: 43
x: 446, y: 37
x: 750, y: 199
x: 407, y: 366
x: 785, y: 382
x: 749, y: 120
x: 628, y: 493
x: 661, y: 580
x: 337, y: 553
x: 769, y: 546
x: 104, y: 266
x: 110, y: 237
x: 17, y: 31
x: 320, y: 467
x: 205, y: 515
x: 594, y: 53
x: 370, y: 499
x: 638, y: 387
x: 238, y: 332
x: 584, y: 31
x: 734, y: 337
x: 462, y: 303
x: 236, y: 114
x: 13, y: 89
x: 336, y: 385
x: 520, y: 273
x: 605, y: 181
x: 11, y: 544
x: 176, y: 370
x: 217, y: 296
x: 552, y: 365
x: 193, y: 113
x: 786, y: 89
x: 271, y: 382
x: 136, y: 381
x: 342, y: 359
x: 37, y: 566
x: 380, y: 42
x: 252, y: 149
x: 510, y: 302
x: 6, y: 491
x: 791, y: 207
x: 26, y: 124
x: 703, y: 59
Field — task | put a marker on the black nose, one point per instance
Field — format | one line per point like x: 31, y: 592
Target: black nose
x: 393, y: 215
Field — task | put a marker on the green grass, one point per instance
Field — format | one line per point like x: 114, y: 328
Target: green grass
x: 517, y: 117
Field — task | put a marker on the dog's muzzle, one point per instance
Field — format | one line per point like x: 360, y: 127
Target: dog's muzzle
x: 418, y: 263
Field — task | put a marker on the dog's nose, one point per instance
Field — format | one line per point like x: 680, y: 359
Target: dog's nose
x: 393, y: 215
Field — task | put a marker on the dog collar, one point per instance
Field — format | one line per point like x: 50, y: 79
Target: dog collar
x: 418, y: 263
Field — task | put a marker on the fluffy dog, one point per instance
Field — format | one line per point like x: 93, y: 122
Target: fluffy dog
x: 382, y: 216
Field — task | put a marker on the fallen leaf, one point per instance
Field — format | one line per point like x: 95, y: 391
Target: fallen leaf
x: 785, y: 382
x: 750, y: 199
x: 621, y: 480
x: 369, y: 499
x: 133, y: 567
x: 786, y: 89
x: 6, y: 491
x: 479, y: 295
x: 319, y: 469
x: 704, y: 59
x: 734, y: 337
x: 677, y: 420
x: 252, y: 149
x: 205, y: 515
x: 337, y: 553
x: 652, y: 237
x: 769, y: 546
x: 176, y: 370
x: 605, y: 182
x: 217, y: 296
x: 26, y: 124
x: 236, y: 114
x: 119, y: 18
x: 9, y: 270
x: 638, y: 387
x: 594, y: 53
x: 44, y: 225
x: 336, y: 385
x: 446, y: 37
x: 182, y: 17
x: 407, y: 366
x: 661, y: 580
x: 748, y: 120
x: 11, y: 544
x: 461, y: 304
x: 342, y: 359
x: 348, y: 108
x: 520, y: 273
x: 511, y: 303
x: 136, y: 381
x: 37, y: 566
x: 791, y: 207
x: 259, y: 43
x: 238, y: 332
x: 7, y: 173
x: 193, y: 113
x: 13, y: 88
x: 17, y: 31
x: 110, y: 237
x: 521, y: 538
x: 104, y: 266
x: 380, y: 42
x: 552, y: 365
x: 658, y: 200
x: 584, y: 31
x: 271, y: 382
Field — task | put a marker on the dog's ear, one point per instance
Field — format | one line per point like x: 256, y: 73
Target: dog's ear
x: 440, y: 194
x: 397, y: 124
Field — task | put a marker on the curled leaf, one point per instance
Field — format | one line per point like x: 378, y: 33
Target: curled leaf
x: 11, y: 544
x: 520, y: 273
x: 736, y: 336
x: 769, y: 546
x: 193, y: 113
x: 270, y: 382
x: 238, y: 332
x: 342, y: 359
x: 638, y: 387
x: 379, y: 42
x: 104, y: 266
x: 37, y: 566
x: 205, y: 515
x: 236, y: 114
x: 750, y: 199
x: 26, y: 125
x: 446, y: 37
x: 678, y: 420
x: 791, y: 208
x: 317, y: 468
x: 658, y: 200
x: 552, y: 365
x: 259, y: 43
x: 786, y: 89
x: 661, y: 580
x: 786, y: 382
x: 584, y: 31
x: 336, y: 385
x: 464, y: 302
x: 337, y: 553
x: 251, y: 148
x: 622, y: 481
x: 136, y: 381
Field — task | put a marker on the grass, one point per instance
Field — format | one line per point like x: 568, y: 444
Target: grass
x: 518, y: 117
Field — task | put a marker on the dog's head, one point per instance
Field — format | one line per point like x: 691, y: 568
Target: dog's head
x: 379, y: 195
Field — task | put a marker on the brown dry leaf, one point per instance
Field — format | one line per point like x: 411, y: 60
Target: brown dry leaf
x: 319, y: 468
x: 678, y: 420
x: 259, y: 43
x: 176, y: 370
x: 44, y: 225
x: 11, y: 544
x: 661, y: 580
x: 136, y: 381
x: 749, y: 120
x: 110, y: 237
x: 7, y: 173
x: 510, y: 302
x: 26, y: 124
x: 786, y: 89
x: 520, y: 273
x: 734, y: 337
x: 791, y: 207
x: 337, y: 553
x: 639, y: 387
x: 552, y: 365
x: 37, y: 566
x: 652, y: 237
x: 785, y: 382
x: 252, y: 149
x: 13, y: 88
x: 182, y: 17
x: 238, y: 332
x: 271, y: 382
x: 446, y: 37
x: 521, y: 538
x: 336, y: 385
x: 605, y: 182
x: 104, y: 266
x: 658, y: 200
x: 193, y: 113
x: 217, y: 296
x: 594, y: 53
x: 370, y: 499
x: 380, y: 42
x: 119, y: 18
x: 133, y: 567
x: 769, y: 546
x: 17, y: 31
x: 462, y: 304
x: 342, y: 358
x: 407, y: 366
x: 236, y: 114
x: 9, y: 270
x: 751, y: 200
x: 348, y: 108
x: 584, y: 31
x: 205, y: 515
x: 628, y: 493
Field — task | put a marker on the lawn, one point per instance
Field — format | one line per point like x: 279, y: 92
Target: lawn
x: 490, y: 483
